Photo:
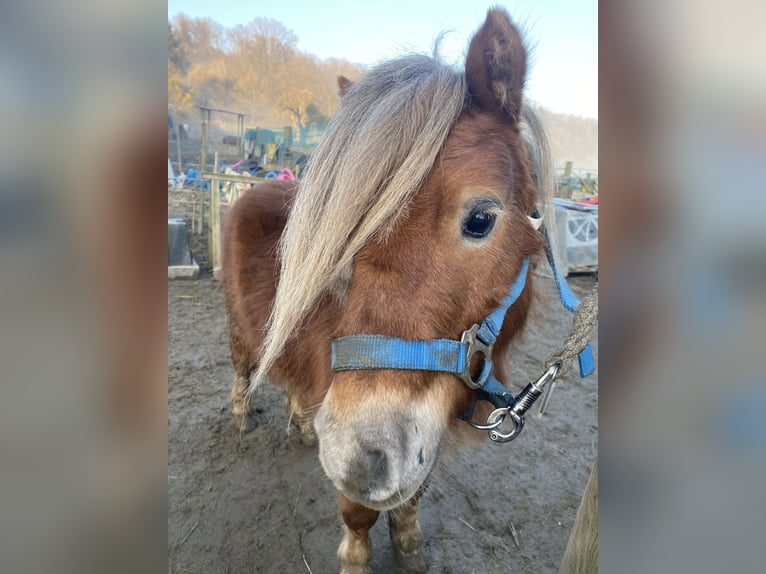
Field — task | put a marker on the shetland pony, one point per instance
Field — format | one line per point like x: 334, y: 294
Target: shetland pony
x: 411, y: 220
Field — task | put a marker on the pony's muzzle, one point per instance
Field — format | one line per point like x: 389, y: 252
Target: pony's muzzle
x: 364, y: 463
x: 378, y: 457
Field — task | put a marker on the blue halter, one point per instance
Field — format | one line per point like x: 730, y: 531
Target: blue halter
x: 361, y: 352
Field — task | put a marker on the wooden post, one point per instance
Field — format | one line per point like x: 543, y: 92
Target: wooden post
x: 241, y: 134
x: 214, y: 222
x: 178, y: 148
x: 567, y: 193
x: 202, y: 161
x: 581, y: 554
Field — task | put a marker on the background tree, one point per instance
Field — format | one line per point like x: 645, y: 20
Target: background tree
x: 180, y: 96
x: 176, y: 54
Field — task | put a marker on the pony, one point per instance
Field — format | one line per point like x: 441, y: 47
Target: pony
x: 412, y: 219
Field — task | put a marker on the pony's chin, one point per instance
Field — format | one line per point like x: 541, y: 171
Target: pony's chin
x: 389, y: 503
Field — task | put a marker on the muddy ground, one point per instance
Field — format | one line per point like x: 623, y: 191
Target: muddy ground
x: 259, y: 501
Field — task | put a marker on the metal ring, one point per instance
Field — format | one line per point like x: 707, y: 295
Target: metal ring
x: 490, y: 426
x: 518, y: 426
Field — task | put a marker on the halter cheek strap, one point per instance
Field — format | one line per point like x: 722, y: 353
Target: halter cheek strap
x: 362, y: 352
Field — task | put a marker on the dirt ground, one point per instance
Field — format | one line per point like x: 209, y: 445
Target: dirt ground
x: 259, y: 501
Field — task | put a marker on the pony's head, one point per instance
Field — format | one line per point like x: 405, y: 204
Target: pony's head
x: 414, y: 214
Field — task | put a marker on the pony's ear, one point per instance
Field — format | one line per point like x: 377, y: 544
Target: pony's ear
x: 496, y: 66
x: 343, y: 85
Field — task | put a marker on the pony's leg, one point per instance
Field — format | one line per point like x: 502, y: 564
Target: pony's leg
x: 354, y: 551
x: 240, y: 405
x: 303, y: 418
x: 406, y: 536
x: 240, y: 359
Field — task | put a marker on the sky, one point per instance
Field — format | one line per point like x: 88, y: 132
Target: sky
x: 562, y: 33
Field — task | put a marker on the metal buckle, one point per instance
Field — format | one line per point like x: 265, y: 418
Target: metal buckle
x: 475, y: 345
x: 520, y: 406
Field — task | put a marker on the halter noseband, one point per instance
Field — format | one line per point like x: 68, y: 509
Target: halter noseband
x: 356, y: 352
x: 364, y: 352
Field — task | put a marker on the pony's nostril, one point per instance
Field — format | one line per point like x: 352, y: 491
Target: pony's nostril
x: 377, y: 464
x: 368, y: 473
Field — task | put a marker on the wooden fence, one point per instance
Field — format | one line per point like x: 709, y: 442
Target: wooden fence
x: 214, y: 210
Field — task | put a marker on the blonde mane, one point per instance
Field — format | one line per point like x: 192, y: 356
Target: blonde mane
x: 377, y: 152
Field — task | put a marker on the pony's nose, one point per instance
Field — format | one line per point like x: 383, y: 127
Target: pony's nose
x: 369, y: 473
x: 377, y: 464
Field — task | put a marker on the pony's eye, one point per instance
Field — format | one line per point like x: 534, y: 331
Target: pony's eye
x: 478, y: 224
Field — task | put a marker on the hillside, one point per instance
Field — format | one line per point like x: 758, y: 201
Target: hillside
x: 572, y: 138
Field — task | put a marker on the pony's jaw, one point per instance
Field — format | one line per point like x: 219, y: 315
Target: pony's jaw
x: 378, y: 451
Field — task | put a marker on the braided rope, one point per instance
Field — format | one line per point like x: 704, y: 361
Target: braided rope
x: 585, y: 318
